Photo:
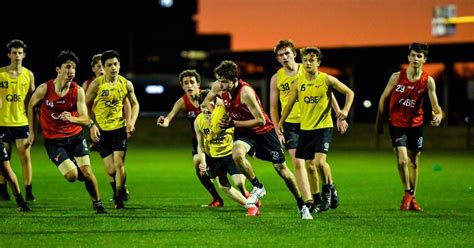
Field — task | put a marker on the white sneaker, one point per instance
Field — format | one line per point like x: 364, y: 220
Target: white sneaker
x: 305, y: 214
x: 256, y: 194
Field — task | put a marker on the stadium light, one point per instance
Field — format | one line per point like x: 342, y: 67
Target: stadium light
x: 444, y: 20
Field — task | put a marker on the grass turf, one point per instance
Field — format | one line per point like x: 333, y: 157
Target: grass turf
x: 164, y: 209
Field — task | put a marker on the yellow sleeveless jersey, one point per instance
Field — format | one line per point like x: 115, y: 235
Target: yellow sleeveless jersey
x: 108, y: 104
x: 13, y: 92
x: 284, y: 84
x: 315, y: 103
x: 216, y: 145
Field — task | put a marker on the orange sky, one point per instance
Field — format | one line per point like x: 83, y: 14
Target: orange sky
x: 259, y: 24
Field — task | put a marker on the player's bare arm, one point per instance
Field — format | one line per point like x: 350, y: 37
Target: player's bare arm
x: 438, y: 112
x: 248, y: 98
x: 135, y: 108
x: 344, y: 89
x: 178, y: 106
x: 289, y: 106
x: 201, y: 158
x: 83, y: 118
x: 35, y: 99
x: 381, y: 107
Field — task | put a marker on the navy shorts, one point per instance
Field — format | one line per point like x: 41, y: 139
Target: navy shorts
x: 62, y: 149
x: 292, y: 134
x: 411, y: 138
x: 313, y: 141
x: 264, y: 146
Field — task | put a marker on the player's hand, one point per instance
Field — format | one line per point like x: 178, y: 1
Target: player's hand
x: 162, y: 121
x: 202, y: 168
x: 279, y: 131
x: 130, y: 130
x: 342, y: 126
x: 226, y: 122
x: 65, y: 116
x: 436, y: 118
x: 30, y: 140
x: 94, y: 133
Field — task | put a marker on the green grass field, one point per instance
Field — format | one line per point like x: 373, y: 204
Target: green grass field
x: 164, y: 209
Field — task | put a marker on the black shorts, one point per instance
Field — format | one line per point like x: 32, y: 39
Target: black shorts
x: 3, y: 152
x: 114, y: 140
x: 10, y: 134
x: 411, y: 138
x: 62, y: 149
x: 313, y: 141
x: 221, y: 166
x: 292, y: 134
x: 264, y: 146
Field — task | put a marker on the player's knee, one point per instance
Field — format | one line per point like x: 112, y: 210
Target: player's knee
x: 71, y: 176
x: 402, y: 164
x: 238, y: 157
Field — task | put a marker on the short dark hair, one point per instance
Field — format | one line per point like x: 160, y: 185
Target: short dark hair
x: 228, y: 70
x: 312, y: 50
x: 189, y: 73
x: 66, y: 55
x: 109, y: 54
x: 419, y: 48
x: 95, y: 59
x: 16, y: 43
x: 284, y: 43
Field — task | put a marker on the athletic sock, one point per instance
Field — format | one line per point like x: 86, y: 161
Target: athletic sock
x: 317, y: 198
x: 114, y: 189
x: 299, y: 202
x: 28, y: 190
x: 207, y: 183
x: 3, y: 189
x: 256, y: 183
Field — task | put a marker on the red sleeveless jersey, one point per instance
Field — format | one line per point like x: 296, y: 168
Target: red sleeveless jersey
x: 239, y: 112
x: 191, y: 111
x: 52, y: 106
x: 406, y: 101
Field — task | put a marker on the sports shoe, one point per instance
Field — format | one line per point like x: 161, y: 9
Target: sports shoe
x: 99, y: 207
x: 305, y: 214
x: 255, y: 195
x: 334, y: 196
x: 126, y: 195
x: 258, y: 203
x: 414, y: 206
x: 119, y: 204
x: 316, y: 208
x: 253, y: 210
x: 23, y: 207
x: 214, y: 204
x: 407, y: 198
x: 325, y: 198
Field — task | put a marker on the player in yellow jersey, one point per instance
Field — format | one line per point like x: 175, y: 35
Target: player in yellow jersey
x: 108, y: 93
x: 214, y: 147
x: 98, y: 70
x: 16, y: 85
x: 280, y: 88
x: 313, y: 93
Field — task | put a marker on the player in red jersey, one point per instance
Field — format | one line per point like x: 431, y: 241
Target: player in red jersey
x: 62, y: 113
x: 254, y: 131
x: 406, y: 90
x: 190, y: 81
